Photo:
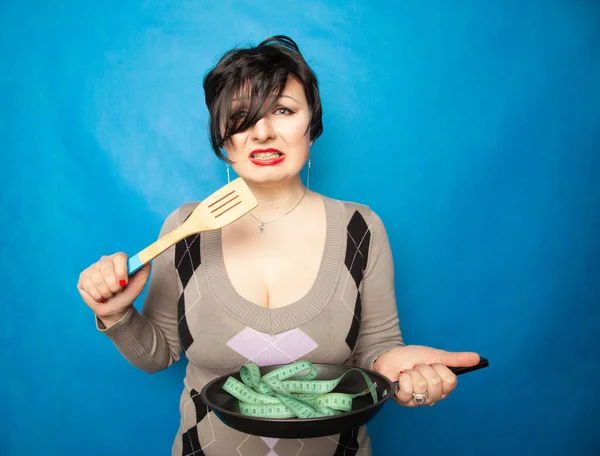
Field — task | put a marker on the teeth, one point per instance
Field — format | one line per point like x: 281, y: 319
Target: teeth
x: 266, y: 155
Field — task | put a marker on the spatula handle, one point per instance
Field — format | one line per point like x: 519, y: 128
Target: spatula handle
x: 133, y: 264
x: 156, y: 248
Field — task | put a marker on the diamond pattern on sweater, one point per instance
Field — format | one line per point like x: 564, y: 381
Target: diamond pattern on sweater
x: 357, y: 253
x: 265, y: 350
x: 187, y: 260
x: 185, y: 336
x: 190, y: 439
x: 352, y: 336
x: 357, y: 247
x: 271, y: 442
x: 187, y: 257
x: 348, y: 443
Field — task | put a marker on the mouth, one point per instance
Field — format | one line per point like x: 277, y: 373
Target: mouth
x: 266, y: 157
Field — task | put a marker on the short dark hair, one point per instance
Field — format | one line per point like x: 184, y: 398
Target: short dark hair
x: 260, y: 73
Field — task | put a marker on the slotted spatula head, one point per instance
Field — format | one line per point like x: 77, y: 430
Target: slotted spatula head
x: 223, y: 207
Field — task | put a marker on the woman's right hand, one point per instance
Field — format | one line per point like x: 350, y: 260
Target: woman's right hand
x: 106, y: 288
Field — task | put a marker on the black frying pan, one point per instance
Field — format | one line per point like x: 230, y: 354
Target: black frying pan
x: 226, y: 408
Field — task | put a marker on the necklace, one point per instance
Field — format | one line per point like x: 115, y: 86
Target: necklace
x: 261, y: 227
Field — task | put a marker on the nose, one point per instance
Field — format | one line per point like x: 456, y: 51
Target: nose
x: 263, y: 130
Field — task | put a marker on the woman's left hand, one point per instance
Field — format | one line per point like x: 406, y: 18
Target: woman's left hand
x: 422, y: 372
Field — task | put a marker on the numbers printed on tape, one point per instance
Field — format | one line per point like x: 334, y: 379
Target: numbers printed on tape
x: 283, y: 394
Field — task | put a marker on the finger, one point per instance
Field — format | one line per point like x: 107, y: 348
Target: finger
x: 419, y: 384
x: 449, y: 379
x: 434, y: 383
x: 86, y: 286
x: 405, y: 389
x: 89, y: 300
x: 120, y: 267
x: 100, y: 284
x: 107, y: 271
x: 457, y: 359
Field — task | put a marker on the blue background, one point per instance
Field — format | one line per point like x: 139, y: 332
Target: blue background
x: 471, y: 127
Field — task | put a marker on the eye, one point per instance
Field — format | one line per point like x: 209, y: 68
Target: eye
x: 283, y: 111
x: 239, y: 115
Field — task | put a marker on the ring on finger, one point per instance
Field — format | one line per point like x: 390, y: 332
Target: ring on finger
x: 420, y: 398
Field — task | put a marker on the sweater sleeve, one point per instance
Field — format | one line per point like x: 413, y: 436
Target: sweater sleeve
x: 379, y: 326
x: 149, y: 339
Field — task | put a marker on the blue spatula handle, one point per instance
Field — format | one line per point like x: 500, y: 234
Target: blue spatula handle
x: 133, y: 264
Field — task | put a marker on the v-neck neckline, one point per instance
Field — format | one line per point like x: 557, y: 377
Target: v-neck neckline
x: 291, y: 315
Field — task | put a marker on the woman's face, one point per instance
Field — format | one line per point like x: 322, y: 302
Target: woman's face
x: 274, y: 149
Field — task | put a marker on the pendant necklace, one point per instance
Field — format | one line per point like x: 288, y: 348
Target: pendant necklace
x: 261, y: 227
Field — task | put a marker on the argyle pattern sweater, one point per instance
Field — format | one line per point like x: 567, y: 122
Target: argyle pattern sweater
x: 349, y: 316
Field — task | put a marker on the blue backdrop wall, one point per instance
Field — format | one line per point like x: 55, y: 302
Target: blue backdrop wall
x: 471, y: 127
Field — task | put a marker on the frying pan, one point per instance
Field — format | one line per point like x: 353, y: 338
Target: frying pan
x: 225, y: 406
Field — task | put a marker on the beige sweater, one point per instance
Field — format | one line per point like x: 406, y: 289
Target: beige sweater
x: 349, y: 316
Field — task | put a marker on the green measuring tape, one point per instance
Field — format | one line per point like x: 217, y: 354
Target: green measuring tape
x: 286, y: 393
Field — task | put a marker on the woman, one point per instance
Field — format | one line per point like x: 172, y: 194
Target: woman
x: 302, y: 276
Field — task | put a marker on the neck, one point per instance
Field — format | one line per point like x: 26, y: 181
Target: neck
x: 274, y: 200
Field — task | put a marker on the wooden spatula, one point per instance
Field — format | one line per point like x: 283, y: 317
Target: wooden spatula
x: 223, y: 207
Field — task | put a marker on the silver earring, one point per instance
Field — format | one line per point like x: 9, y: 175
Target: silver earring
x: 308, y: 175
x: 228, y: 176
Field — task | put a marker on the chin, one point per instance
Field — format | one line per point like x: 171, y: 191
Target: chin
x: 270, y: 179
x: 265, y: 181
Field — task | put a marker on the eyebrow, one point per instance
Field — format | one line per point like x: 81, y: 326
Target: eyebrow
x: 289, y: 96
x: 282, y: 96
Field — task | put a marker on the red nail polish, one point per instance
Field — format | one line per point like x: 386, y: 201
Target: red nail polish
x: 401, y: 372
x: 430, y: 365
x: 122, y: 282
x: 103, y: 300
